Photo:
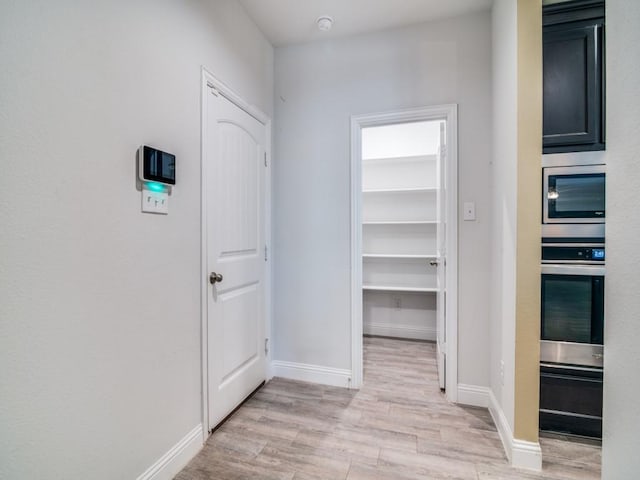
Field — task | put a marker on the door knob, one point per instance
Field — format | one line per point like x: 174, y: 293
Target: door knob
x: 433, y: 263
x: 215, y: 278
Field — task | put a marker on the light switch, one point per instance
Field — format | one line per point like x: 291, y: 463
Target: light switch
x: 469, y: 211
x: 155, y: 202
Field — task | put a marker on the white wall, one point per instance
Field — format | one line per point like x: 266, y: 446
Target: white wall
x: 100, y: 304
x: 318, y: 87
x: 621, y: 418
x: 503, y: 204
x: 401, y: 140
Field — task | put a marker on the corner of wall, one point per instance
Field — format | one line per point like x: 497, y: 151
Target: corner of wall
x: 473, y: 395
x: 529, y: 154
x: 521, y: 453
x: 168, y: 466
x: 336, y: 377
x: 517, y: 81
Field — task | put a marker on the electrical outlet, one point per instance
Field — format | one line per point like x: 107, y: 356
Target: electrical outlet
x: 502, y: 372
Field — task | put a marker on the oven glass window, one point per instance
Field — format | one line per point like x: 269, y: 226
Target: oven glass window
x: 577, y: 195
x: 566, y: 308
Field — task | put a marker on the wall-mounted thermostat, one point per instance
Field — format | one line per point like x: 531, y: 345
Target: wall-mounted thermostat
x: 157, y: 171
x: 157, y: 166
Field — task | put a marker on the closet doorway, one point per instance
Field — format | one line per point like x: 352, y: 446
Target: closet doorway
x: 404, y: 233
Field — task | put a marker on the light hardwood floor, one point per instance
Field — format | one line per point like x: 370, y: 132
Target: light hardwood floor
x: 398, y: 426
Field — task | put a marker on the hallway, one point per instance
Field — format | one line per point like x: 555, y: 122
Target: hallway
x: 398, y: 426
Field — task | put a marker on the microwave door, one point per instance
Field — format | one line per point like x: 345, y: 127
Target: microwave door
x: 574, y: 195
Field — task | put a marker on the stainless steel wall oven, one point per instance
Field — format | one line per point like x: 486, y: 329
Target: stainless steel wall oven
x: 572, y: 314
x: 571, y: 345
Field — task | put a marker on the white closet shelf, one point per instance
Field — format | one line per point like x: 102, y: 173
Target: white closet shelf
x: 414, y: 158
x: 394, y: 255
x: 401, y: 222
x: 393, y: 288
x: 400, y: 190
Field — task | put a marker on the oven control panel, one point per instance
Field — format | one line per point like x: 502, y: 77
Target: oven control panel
x: 593, y: 254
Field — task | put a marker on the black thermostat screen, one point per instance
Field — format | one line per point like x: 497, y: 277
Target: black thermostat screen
x: 159, y: 166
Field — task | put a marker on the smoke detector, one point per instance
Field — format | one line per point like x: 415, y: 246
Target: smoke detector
x: 325, y: 22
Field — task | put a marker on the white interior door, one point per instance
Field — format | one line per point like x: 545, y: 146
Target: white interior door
x: 441, y: 329
x: 235, y: 226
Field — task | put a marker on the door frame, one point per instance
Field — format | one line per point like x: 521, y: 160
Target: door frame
x: 209, y: 82
x: 448, y: 112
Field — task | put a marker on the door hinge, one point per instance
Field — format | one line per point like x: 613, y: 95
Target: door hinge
x: 265, y: 159
x: 265, y: 253
x: 266, y: 346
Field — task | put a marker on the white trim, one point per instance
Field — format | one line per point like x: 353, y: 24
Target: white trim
x: 521, y: 453
x: 268, y: 280
x: 526, y: 455
x: 357, y: 363
x: 501, y: 423
x: 401, y: 331
x: 337, y: 377
x: 234, y: 98
x: 449, y: 113
x: 167, y: 466
x: 473, y: 395
x: 451, y: 307
x: 204, y: 287
x: 209, y: 81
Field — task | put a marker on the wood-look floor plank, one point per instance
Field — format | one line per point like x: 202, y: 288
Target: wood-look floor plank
x: 399, y: 426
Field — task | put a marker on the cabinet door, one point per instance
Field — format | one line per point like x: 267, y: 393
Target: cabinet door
x: 571, y: 400
x: 572, y: 87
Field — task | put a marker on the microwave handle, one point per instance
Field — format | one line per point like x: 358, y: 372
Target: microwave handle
x: 597, y: 311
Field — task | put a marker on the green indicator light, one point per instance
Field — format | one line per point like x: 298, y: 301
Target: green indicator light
x: 155, y: 187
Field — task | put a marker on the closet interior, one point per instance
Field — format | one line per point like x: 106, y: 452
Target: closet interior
x: 400, y: 198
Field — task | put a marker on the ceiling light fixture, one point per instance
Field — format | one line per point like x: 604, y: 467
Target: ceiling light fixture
x: 325, y: 22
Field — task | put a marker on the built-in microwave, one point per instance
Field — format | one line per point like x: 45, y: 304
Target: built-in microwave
x: 574, y: 194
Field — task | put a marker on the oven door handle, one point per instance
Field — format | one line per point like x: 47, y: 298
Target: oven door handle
x: 566, y: 269
x: 570, y: 367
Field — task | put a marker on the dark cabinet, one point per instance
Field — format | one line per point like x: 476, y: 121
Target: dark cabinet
x: 573, y: 76
x: 571, y: 400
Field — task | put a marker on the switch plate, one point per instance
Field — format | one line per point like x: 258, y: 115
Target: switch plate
x: 469, y: 211
x: 155, y: 202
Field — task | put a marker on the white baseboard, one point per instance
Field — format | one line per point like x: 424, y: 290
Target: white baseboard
x: 526, y: 455
x: 521, y: 453
x: 401, y: 331
x: 336, y: 377
x: 168, y: 466
x: 473, y: 395
x: 502, y: 424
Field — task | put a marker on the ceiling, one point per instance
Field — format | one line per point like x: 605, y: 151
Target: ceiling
x: 287, y: 22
